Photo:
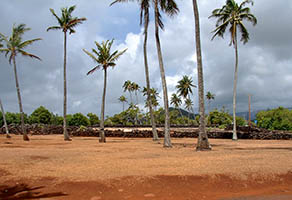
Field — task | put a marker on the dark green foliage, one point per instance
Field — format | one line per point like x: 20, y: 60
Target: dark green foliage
x: 40, y: 116
x: 275, y: 119
x: 56, y: 119
x: 1, y: 120
x: 223, y: 119
x: 93, y: 119
x: 15, y: 118
x: 78, y: 119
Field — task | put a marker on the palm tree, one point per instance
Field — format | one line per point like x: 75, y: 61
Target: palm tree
x: 153, y: 97
x: 66, y: 23
x: 232, y: 15
x: 170, y: 8
x: 210, y: 97
x: 14, y: 46
x: 144, y: 19
x: 104, y: 58
x: 123, y: 99
x: 203, y: 143
x: 184, y: 87
x: 4, y: 119
x: 128, y: 87
x: 189, y: 106
x: 176, y: 101
x: 136, y: 88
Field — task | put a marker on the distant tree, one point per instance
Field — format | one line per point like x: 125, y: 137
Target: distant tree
x: 176, y: 102
x: 66, y: 23
x: 232, y: 15
x: 93, y: 119
x: 209, y: 97
x: 78, y: 119
x: 136, y: 88
x: 14, y: 46
x: 128, y: 86
x: 189, y: 106
x: 40, y: 115
x: 56, y: 119
x: 123, y: 99
x: 105, y: 59
x: 4, y: 120
x: 184, y: 87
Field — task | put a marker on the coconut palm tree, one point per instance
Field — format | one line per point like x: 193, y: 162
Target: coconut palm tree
x: 189, y: 106
x: 15, y: 46
x: 153, y: 97
x: 184, y: 87
x: 210, y: 97
x: 104, y: 59
x: 4, y: 119
x: 144, y: 19
x: 123, y: 99
x: 170, y: 8
x: 136, y: 88
x: 232, y: 15
x: 203, y: 143
x: 128, y: 87
x: 66, y: 23
x: 176, y: 102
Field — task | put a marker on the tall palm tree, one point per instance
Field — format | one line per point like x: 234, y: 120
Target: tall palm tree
x: 210, y: 97
x: 144, y: 19
x: 128, y: 87
x: 170, y: 8
x: 176, y: 102
x: 123, y: 99
x: 104, y: 59
x: 66, y: 23
x: 15, y: 46
x: 232, y: 15
x: 203, y: 142
x: 4, y: 119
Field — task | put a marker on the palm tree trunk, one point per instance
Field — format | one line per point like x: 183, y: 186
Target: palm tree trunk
x: 167, y: 141
x: 203, y: 143
x: 234, y: 135
x: 4, y: 119
x: 154, y: 131
x: 25, y: 137
x: 65, y: 132
x: 102, y: 134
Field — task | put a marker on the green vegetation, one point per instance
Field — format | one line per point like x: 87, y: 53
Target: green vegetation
x: 222, y: 119
x: 275, y: 119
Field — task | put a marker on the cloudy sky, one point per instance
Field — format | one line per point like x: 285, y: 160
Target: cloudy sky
x: 265, y: 62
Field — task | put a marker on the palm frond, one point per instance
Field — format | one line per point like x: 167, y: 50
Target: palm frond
x: 24, y: 53
x: 54, y: 28
x: 55, y: 15
x: 28, y: 42
x: 93, y: 70
x: 91, y: 55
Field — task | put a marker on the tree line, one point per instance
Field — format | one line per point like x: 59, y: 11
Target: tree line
x: 230, y: 15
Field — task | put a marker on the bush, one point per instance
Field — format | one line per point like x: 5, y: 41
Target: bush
x: 275, y: 119
x: 93, y: 119
x: 222, y: 119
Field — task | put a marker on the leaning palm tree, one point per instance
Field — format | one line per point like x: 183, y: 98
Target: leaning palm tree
x: 203, y: 142
x: 66, y: 23
x: 176, y: 102
x: 144, y: 19
x: 170, y: 8
x: 210, y: 97
x: 123, y: 99
x: 104, y: 59
x: 4, y: 119
x: 15, y: 46
x: 232, y: 15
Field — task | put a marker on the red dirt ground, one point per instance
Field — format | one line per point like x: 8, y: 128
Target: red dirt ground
x: 141, y: 169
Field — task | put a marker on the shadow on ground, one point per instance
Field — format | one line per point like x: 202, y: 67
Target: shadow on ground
x: 23, y: 191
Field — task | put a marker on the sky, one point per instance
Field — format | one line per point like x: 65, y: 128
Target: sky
x: 265, y: 62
